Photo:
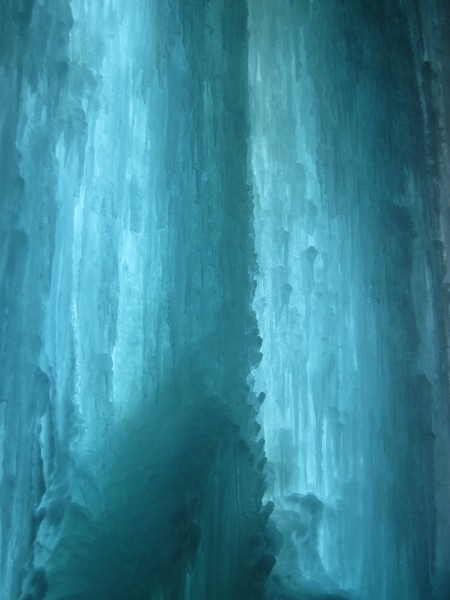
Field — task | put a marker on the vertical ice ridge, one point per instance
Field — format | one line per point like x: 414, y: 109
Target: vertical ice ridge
x: 147, y: 150
x: 350, y: 292
x: 140, y: 475
x: 34, y: 50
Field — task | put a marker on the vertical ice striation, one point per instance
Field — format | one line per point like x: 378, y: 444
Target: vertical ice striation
x: 179, y: 180
x: 349, y: 170
x: 130, y: 467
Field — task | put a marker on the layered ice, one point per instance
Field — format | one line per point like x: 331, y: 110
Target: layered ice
x: 349, y: 168
x: 130, y: 463
x: 224, y: 228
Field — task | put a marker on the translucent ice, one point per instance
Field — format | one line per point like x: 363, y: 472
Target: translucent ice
x: 224, y: 228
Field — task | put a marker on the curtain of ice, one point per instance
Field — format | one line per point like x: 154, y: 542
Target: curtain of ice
x: 348, y: 179
x: 130, y: 467
x: 129, y: 462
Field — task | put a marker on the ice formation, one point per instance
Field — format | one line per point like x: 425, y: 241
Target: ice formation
x: 224, y: 368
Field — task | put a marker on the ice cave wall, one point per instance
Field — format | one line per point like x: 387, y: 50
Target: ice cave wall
x: 178, y: 181
x: 128, y: 430
x: 348, y: 130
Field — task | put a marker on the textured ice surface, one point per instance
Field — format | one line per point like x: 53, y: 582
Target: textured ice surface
x: 128, y: 429
x: 223, y: 334
x: 348, y: 169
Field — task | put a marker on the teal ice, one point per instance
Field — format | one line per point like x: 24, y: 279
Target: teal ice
x: 224, y: 300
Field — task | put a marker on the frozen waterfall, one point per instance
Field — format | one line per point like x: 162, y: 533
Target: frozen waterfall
x: 224, y: 308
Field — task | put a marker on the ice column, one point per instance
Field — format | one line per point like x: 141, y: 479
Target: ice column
x: 346, y: 158
x: 130, y: 466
